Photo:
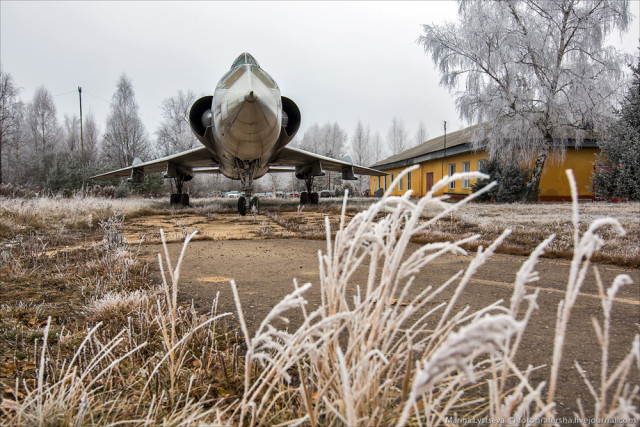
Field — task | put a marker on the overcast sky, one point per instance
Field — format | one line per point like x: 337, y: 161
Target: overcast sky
x: 339, y: 61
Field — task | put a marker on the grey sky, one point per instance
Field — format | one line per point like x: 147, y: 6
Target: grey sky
x: 339, y: 61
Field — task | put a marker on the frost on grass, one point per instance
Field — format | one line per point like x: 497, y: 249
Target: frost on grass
x: 390, y: 355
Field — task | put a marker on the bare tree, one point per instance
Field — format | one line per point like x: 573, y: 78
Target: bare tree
x: 379, y: 147
x: 361, y: 150
x: 536, y: 72
x: 90, y: 137
x: 44, y: 133
x: 361, y: 145
x: 10, y: 110
x: 397, y: 136
x: 327, y: 140
x: 125, y: 137
x: 16, y: 142
x: 175, y: 133
x: 71, y: 134
x: 421, y: 134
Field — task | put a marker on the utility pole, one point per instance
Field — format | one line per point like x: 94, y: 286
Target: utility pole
x: 444, y: 154
x: 81, y: 140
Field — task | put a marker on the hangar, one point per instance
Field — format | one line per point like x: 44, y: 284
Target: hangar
x: 452, y: 152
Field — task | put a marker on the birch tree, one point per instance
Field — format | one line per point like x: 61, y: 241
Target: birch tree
x: 175, y: 133
x: 535, y: 73
x: 10, y: 111
x: 125, y: 137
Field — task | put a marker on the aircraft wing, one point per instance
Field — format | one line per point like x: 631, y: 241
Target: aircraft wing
x: 193, y: 160
x: 290, y: 156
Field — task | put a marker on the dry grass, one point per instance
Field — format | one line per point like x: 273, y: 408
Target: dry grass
x: 130, y: 354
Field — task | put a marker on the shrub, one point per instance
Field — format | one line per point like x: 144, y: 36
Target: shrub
x: 512, y: 182
x: 617, y: 172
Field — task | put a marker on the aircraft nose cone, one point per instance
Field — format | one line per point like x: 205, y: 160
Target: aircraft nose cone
x: 250, y: 97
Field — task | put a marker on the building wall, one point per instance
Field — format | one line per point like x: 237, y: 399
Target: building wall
x: 553, y: 184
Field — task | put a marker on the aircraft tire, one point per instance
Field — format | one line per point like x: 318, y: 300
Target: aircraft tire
x: 314, y: 199
x: 184, y: 199
x: 255, y: 202
x: 304, y: 198
x: 242, y: 207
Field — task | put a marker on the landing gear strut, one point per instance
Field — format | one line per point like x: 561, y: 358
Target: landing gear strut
x: 308, y: 197
x: 247, y: 170
x: 180, y: 198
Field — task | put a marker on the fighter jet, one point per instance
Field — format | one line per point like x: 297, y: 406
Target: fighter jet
x: 244, y: 129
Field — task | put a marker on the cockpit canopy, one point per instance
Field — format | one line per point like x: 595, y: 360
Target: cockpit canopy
x: 244, y: 58
x: 243, y: 63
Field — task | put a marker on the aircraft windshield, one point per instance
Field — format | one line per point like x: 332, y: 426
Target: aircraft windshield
x: 244, y: 58
x: 231, y: 77
x: 264, y: 77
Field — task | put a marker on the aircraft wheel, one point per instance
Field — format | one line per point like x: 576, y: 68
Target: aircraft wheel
x: 174, y: 199
x: 242, y: 207
x: 184, y: 200
x: 304, y: 198
x: 315, y: 198
x: 255, y: 202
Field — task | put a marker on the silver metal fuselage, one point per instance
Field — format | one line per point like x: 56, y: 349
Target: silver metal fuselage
x: 246, y: 114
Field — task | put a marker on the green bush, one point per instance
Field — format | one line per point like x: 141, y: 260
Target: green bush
x: 617, y: 172
x: 512, y: 181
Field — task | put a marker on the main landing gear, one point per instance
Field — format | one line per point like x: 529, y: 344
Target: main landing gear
x: 309, y: 197
x: 180, y: 198
x: 254, y: 205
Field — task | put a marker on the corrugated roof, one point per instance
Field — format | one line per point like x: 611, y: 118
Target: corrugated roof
x: 454, y: 139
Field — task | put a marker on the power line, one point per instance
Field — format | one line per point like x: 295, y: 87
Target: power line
x: 65, y: 93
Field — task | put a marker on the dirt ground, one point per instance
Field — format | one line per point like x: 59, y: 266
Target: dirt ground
x: 264, y: 259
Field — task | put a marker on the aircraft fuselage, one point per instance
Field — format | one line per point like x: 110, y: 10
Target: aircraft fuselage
x: 244, y: 122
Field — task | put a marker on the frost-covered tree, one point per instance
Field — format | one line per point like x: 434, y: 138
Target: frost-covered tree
x: 379, y: 148
x: 175, y: 133
x: 10, y: 110
x: 43, y: 134
x: 397, y: 136
x: 361, y: 152
x: 71, y: 134
x: 90, y: 137
x: 328, y: 140
x: 125, y: 137
x: 421, y: 134
x: 536, y: 72
x: 617, y: 172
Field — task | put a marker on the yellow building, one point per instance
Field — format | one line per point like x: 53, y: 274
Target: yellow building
x: 439, y: 157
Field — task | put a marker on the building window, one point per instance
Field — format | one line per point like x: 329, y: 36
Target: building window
x: 379, y: 181
x: 409, y: 181
x: 452, y: 170
x: 385, y: 182
x: 391, y: 179
x: 400, y: 184
x: 466, y: 167
x: 482, y: 164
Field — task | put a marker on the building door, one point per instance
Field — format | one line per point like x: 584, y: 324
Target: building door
x: 429, y: 181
